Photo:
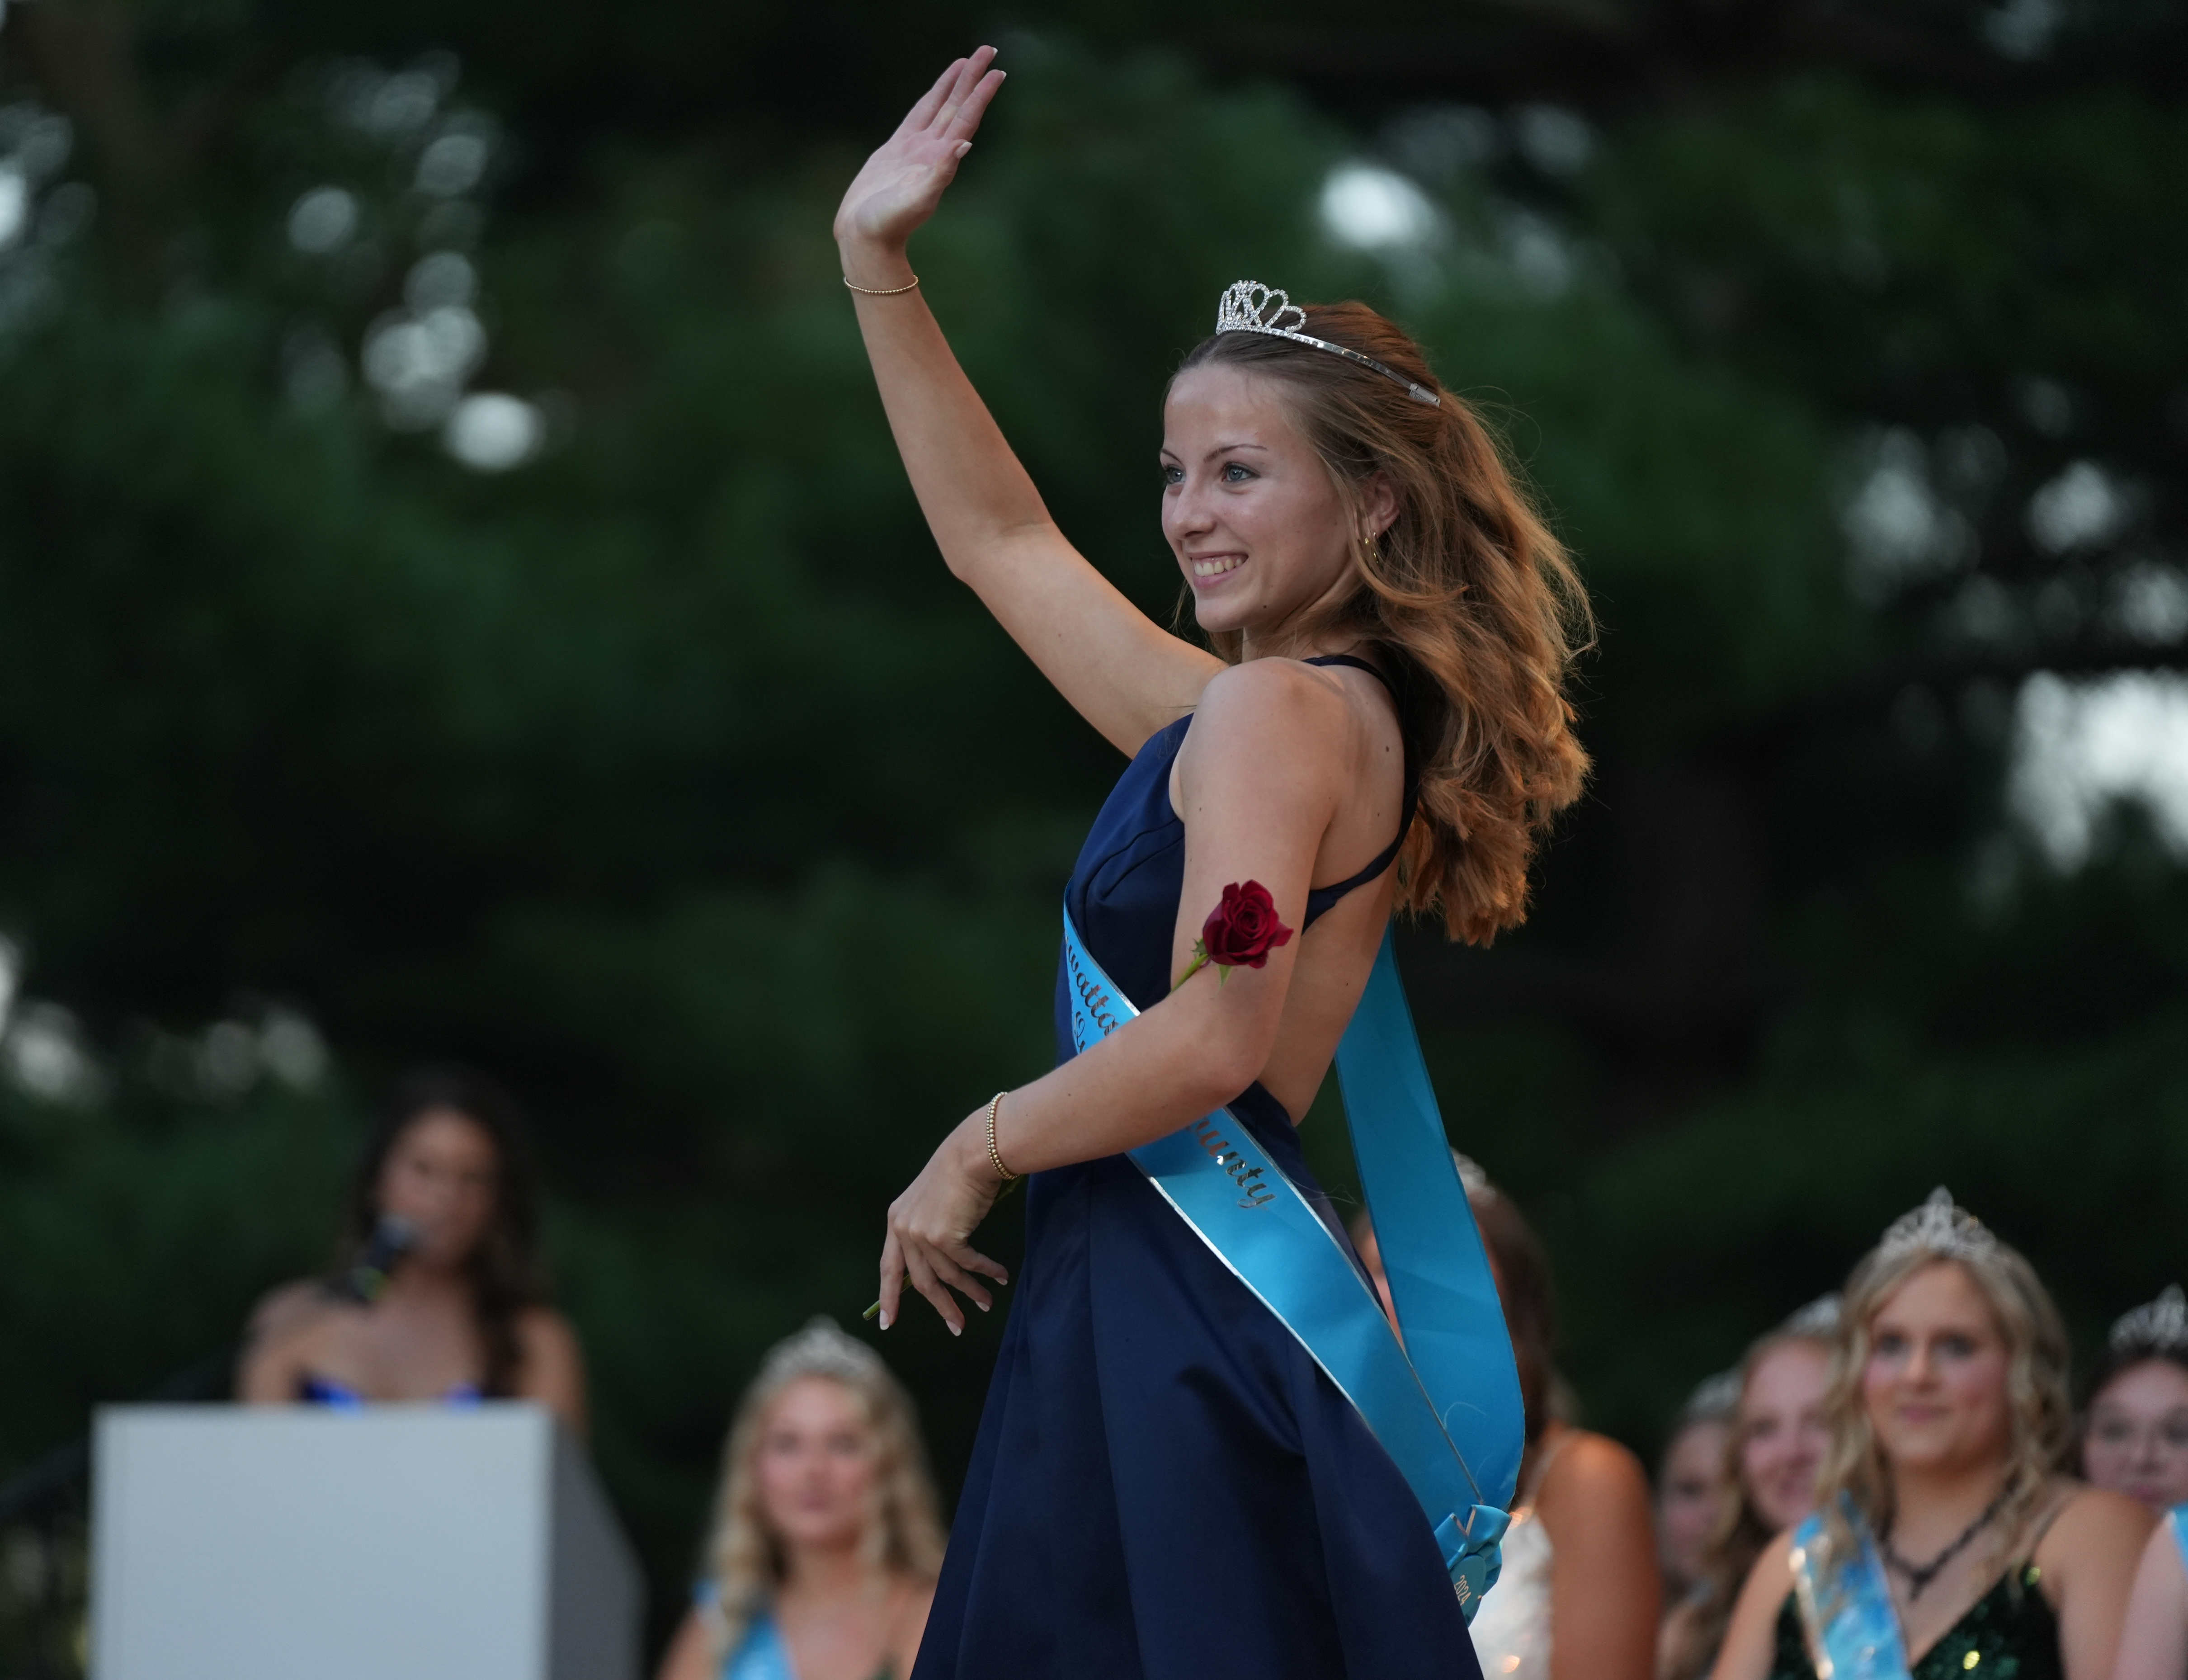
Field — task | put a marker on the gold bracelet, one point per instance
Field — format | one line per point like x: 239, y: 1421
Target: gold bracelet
x: 869, y: 291
x: 996, y: 1102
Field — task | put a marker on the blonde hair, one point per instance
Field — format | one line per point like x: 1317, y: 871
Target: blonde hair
x: 1738, y: 1532
x: 2038, y: 1411
x: 1474, y: 601
x: 744, y: 1559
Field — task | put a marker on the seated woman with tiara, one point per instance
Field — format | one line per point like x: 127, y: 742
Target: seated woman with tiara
x: 1943, y: 1543
x: 820, y: 1563
x: 1205, y: 1452
x: 2135, y: 1439
x: 2134, y: 1430
x: 1777, y: 1444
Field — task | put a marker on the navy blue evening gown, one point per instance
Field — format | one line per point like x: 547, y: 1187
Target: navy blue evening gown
x: 1165, y: 1487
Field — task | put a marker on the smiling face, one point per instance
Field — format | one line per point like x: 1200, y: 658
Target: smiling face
x: 817, y: 1466
x: 2137, y: 1442
x: 1934, y: 1384
x: 1782, y: 1431
x: 1253, y: 514
x: 442, y: 1174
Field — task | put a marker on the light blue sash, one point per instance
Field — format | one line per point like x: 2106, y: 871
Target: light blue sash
x: 1449, y: 1415
x: 2177, y: 1519
x: 1853, y: 1631
x: 761, y: 1655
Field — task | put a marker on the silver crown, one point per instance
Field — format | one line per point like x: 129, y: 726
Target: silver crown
x: 1940, y: 1226
x: 1715, y: 1398
x: 1820, y: 1318
x: 1247, y: 305
x: 821, y: 1350
x: 2162, y: 1324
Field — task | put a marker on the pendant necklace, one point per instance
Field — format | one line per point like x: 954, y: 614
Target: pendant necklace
x: 1919, y: 1575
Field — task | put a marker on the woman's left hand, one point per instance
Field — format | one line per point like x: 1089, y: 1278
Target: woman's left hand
x: 930, y: 1226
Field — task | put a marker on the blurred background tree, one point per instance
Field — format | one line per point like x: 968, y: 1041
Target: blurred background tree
x: 458, y: 598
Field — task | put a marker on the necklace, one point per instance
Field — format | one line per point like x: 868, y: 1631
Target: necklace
x: 1919, y: 1575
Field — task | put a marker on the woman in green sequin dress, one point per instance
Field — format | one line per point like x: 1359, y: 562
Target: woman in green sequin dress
x: 1948, y: 1409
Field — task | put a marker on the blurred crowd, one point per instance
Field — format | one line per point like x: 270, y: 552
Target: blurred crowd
x: 1922, y: 1420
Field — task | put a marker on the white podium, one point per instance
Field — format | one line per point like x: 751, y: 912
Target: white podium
x: 423, y: 1543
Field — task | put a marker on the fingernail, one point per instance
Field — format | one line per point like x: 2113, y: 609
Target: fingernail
x: 963, y: 147
x: 982, y: 1305
x: 956, y: 1329
x: 885, y: 1321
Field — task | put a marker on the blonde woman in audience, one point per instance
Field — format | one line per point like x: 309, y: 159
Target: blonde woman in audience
x: 1775, y: 1447
x: 1944, y: 1544
x: 825, y: 1542
x: 2135, y: 1435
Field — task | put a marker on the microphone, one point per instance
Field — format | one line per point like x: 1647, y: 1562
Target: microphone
x: 393, y: 1237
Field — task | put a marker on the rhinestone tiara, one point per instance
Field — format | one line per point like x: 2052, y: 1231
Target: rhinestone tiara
x: 1714, y: 1399
x: 1247, y: 305
x: 1820, y: 1318
x: 2161, y: 1325
x: 821, y: 1350
x: 1940, y: 1226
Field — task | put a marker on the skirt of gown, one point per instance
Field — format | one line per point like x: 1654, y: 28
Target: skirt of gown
x: 1165, y: 1484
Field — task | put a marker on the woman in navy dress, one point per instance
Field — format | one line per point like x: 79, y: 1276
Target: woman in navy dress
x: 1166, y: 1483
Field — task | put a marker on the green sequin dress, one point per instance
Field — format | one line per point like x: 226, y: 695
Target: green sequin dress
x: 2009, y: 1633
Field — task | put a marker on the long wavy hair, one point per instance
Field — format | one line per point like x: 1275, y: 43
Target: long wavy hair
x: 1473, y: 602
x: 1739, y: 1532
x: 2038, y: 1409
x: 506, y: 1276
x: 745, y: 1561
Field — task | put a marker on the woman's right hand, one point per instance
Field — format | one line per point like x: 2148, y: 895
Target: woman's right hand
x: 903, y: 181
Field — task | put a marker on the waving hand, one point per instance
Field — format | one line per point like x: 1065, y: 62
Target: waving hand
x: 903, y: 181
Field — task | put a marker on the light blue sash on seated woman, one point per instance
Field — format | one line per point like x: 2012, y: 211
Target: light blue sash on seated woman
x: 1853, y: 1631
x: 1445, y: 1402
x: 760, y: 1655
x: 2177, y: 1520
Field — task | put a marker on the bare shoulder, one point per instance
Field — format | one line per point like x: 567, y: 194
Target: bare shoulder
x: 1287, y: 690
x: 1592, y: 1470
x: 1286, y: 720
x: 2092, y: 1522
x: 1772, y: 1577
x: 289, y: 1311
x: 908, y: 1621
x: 546, y: 1334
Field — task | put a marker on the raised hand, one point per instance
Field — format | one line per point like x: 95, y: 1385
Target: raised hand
x: 903, y: 181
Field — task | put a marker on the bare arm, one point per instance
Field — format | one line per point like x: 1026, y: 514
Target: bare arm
x: 691, y: 1654
x: 1606, y: 1594
x: 1751, y: 1639
x: 2088, y: 1557
x: 554, y: 1371
x: 2154, y: 1643
x: 1260, y: 781
x: 1118, y: 669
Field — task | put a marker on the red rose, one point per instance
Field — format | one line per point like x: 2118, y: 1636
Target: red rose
x: 1239, y: 933
x: 1242, y: 931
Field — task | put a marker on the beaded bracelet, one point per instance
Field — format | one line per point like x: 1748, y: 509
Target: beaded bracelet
x: 888, y: 291
x: 996, y: 1102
